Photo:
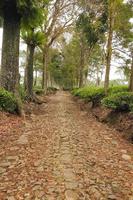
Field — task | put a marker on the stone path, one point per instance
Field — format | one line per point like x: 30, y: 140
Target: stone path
x: 64, y: 154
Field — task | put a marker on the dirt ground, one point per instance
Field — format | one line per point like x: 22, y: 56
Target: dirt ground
x: 61, y: 153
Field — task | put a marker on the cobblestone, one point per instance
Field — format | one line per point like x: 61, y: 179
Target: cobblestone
x: 63, y: 154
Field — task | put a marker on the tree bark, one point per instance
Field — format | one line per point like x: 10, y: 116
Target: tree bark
x: 25, y: 70
x: 98, y: 77
x: 29, y: 84
x: 25, y: 77
x: 36, y: 76
x: 81, y: 64
x: 10, y: 49
x: 45, y: 70
x: 131, y: 76
x: 109, y: 48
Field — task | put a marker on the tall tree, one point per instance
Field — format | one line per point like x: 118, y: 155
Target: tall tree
x: 60, y: 16
x: 111, y: 19
x: 119, y: 14
x: 13, y: 13
x: 33, y: 39
x: 92, y: 26
x: 10, y: 50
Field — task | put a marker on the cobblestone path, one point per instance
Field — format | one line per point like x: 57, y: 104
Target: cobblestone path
x: 63, y: 154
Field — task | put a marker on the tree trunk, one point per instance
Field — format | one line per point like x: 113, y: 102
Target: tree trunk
x: 109, y: 48
x: 131, y: 76
x: 35, y: 81
x: 25, y: 70
x: 81, y: 64
x: 10, y: 49
x: 45, y: 73
x: 51, y: 80
x: 25, y: 77
x: 97, y: 74
x: 29, y: 84
x: 77, y: 77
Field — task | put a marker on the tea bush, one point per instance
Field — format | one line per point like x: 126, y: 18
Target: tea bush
x: 7, y: 101
x: 122, y: 101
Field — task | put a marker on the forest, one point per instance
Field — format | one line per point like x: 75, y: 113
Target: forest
x: 66, y: 99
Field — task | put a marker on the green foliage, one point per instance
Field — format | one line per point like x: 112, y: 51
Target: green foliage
x: 122, y: 101
x: 32, y: 37
x: 118, y: 89
x: 84, y: 22
x: 91, y: 94
x: 75, y: 91
x: 65, y: 66
x: 38, y: 90
x: 31, y: 12
x: 71, y: 62
x: 7, y: 101
x: 96, y: 94
x: 56, y: 67
x: 122, y: 25
x: 38, y: 57
x: 93, y: 24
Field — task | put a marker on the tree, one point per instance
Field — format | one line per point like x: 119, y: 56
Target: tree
x: 55, y: 67
x: 38, y: 67
x: 71, y: 59
x: 10, y: 51
x: 60, y: 16
x: 92, y: 26
x: 14, y: 12
x: 111, y: 20
x: 96, y: 65
x: 71, y: 62
x: 33, y: 39
x: 119, y: 14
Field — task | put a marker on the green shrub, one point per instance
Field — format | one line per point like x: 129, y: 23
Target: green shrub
x: 7, y: 101
x: 96, y: 94
x: 122, y: 101
x: 38, y: 90
x: 118, y: 89
x: 74, y: 90
x: 91, y: 94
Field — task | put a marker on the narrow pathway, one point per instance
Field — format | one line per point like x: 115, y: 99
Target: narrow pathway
x: 63, y: 154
